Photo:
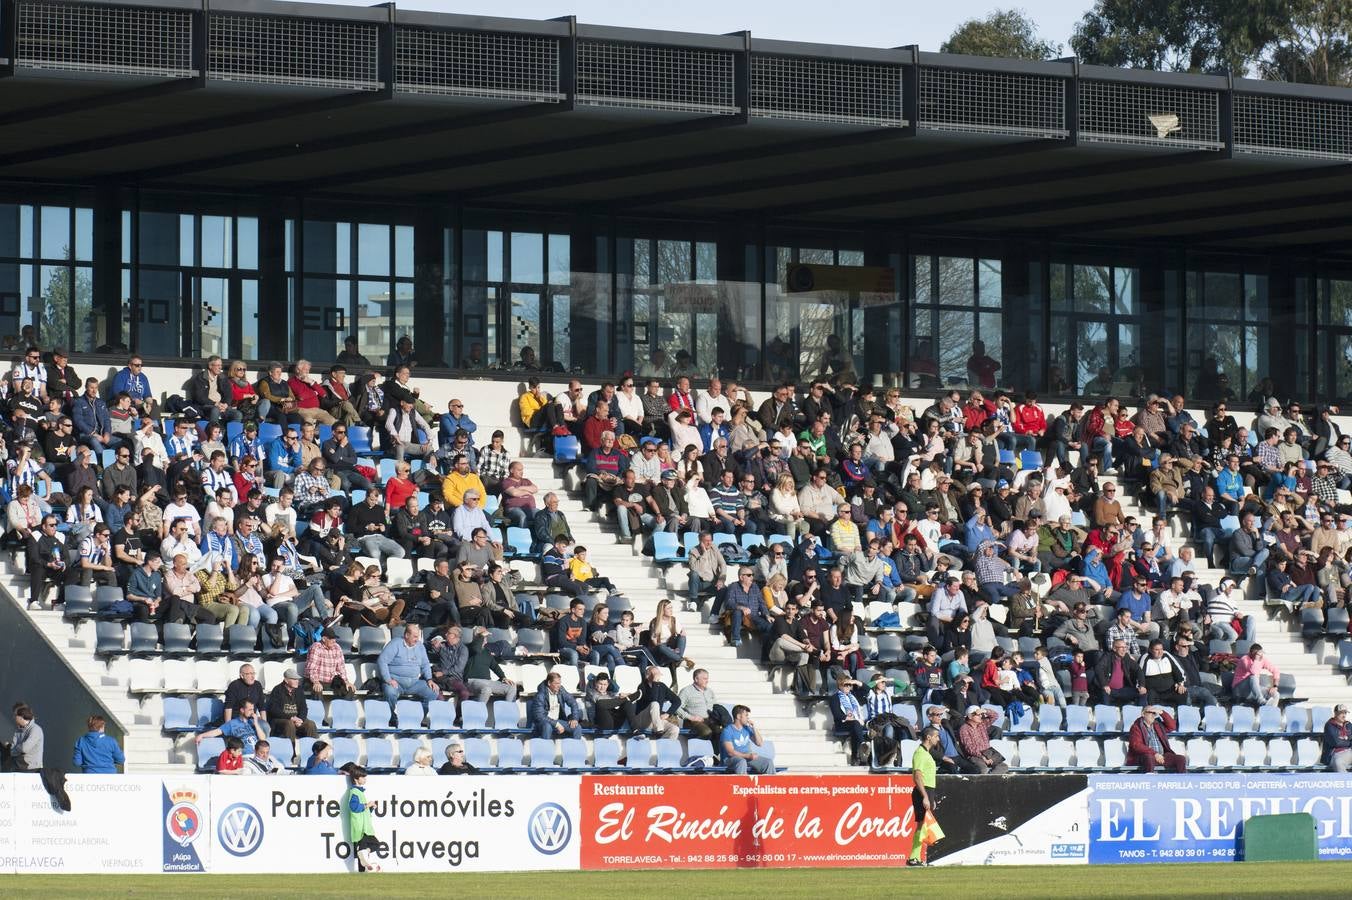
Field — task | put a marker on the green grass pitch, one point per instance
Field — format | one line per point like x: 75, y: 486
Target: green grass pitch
x: 1271, y: 880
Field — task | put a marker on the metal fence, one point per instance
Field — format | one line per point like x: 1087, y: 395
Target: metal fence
x: 450, y: 56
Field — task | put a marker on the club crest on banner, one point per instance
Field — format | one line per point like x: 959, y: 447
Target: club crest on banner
x: 183, y: 825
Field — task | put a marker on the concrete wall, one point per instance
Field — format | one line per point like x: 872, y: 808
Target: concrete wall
x: 35, y: 672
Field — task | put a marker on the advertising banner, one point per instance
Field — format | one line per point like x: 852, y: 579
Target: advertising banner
x: 708, y: 822
x: 1194, y: 818
x: 1013, y: 820
x: 463, y: 824
x: 117, y: 823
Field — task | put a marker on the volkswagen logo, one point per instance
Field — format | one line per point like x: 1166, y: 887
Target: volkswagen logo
x: 240, y: 829
x: 549, y: 828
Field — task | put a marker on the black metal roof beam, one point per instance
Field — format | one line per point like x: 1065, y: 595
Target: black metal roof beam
x: 1260, y: 231
x: 343, y: 141
x: 167, y: 132
x: 833, y: 173
x: 1193, y: 214
x: 702, y: 160
x: 993, y: 183
x: 1129, y: 195
x: 99, y: 101
x: 517, y: 151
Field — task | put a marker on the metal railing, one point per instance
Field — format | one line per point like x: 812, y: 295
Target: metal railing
x: 353, y: 49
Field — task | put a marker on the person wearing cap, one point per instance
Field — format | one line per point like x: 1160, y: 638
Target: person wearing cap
x: 1336, y: 742
x: 325, y: 667
x: 975, y: 742
x: 1191, y: 690
x: 1148, y: 745
x: 287, y: 712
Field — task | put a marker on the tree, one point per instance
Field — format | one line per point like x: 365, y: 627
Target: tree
x: 1178, y: 35
x: 1007, y: 33
x: 1312, y: 46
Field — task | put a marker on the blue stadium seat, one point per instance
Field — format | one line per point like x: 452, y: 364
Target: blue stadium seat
x: 567, y: 449
x: 518, y: 543
x: 511, y: 753
x: 283, y: 750
x: 638, y: 753
x: 1107, y: 718
x: 542, y: 753
x: 359, y: 436
x: 210, y: 710
x: 1049, y: 718
x: 669, y: 754
x: 377, y: 713
x: 478, y: 753
x: 664, y: 549
x: 1242, y: 720
x: 700, y: 747
x: 573, y: 753
x: 606, y: 752
x: 109, y: 638
x: 1077, y: 718
x: 507, y: 716
x: 1215, y: 720
x: 1189, y: 719
x: 407, y: 747
x: 1269, y: 720
x: 178, y: 715
x: 343, y: 715
x: 145, y: 638
x: 210, y: 638
x: 345, y: 750
x: 268, y: 432
x: 441, y: 715
x: 304, y: 749
x: 243, y: 640
x: 1030, y: 459
x: 752, y: 540
x: 370, y: 641
x: 409, y: 714
x: 379, y: 754
x: 207, y: 751
x: 474, y: 716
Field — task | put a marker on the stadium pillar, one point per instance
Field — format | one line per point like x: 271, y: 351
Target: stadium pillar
x: 274, y: 298
x: 589, y: 308
x: 431, y: 291
x: 107, y: 329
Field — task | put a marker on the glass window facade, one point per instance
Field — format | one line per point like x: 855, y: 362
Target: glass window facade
x: 170, y: 276
x: 46, y: 276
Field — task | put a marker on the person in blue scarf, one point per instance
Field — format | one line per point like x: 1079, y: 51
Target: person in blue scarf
x: 1097, y: 572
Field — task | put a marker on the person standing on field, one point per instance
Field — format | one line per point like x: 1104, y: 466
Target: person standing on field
x: 923, y: 795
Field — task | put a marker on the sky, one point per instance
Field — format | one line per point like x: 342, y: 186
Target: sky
x: 865, y: 23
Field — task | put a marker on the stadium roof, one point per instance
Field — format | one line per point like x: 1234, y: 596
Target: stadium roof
x: 285, y: 99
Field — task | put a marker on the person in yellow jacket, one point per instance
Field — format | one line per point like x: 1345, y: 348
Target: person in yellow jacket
x: 531, y: 402
x: 461, y: 479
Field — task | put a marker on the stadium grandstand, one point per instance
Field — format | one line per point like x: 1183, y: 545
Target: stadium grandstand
x: 664, y: 381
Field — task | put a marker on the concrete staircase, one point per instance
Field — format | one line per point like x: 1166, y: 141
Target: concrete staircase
x: 802, y: 742
x: 146, y: 748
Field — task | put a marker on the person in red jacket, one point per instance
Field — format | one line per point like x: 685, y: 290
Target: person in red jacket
x: 1029, y: 418
x: 976, y: 411
x: 307, y: 395
x: 1148, y: 742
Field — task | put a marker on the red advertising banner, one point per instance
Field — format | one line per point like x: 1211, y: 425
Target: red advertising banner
x: 715, y: 821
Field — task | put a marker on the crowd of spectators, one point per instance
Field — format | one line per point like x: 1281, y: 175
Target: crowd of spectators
x: 995, y: 518
x: 983, y: 515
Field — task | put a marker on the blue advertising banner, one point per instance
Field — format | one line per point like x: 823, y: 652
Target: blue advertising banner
x: 1200, y: 818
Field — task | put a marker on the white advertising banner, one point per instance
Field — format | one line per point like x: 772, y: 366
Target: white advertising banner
x: 461, y: 824
x: 117, y: 823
